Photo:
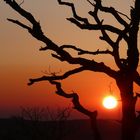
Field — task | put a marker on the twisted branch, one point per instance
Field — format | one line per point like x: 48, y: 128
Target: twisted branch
x: 112, y: 11
x: 54, y: 77
x: 77, y: 17
x: 77, y: 105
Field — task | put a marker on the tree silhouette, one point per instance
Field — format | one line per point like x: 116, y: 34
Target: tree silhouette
x: 125, y: 76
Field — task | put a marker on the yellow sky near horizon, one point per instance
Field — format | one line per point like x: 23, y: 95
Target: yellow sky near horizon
x: 21, y: 58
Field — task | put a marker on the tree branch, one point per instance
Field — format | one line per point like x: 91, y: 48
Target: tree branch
x: 77, y: 105
x: 63, y: 55
x: 133, y: 52
x: 81, y: 52
x: 137, y: 78
x: 54, y: 77
x: 112, y: 11
x: 86, y: 25
x: 97, y: 27
x: 106, y: 37
x: 77, y: 17
x: 20, y: 24
x: 21, y: 11
x: 100, y: 67
x: 75, y: 99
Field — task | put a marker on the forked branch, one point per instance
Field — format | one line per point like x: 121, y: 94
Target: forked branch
x: 111, y: 10
x: 81, y: 51
x: 20, y: 24
x: 55, y: 77
x: 60, y: 53
x: 75, y: 15
x: 83, y: 23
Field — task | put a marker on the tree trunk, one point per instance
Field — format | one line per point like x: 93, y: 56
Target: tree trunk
x: 94, y: 127
x: 128, y: 108
x: 128, y: 119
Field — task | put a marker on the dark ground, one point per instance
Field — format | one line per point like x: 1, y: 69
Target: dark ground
x: 19, y: 129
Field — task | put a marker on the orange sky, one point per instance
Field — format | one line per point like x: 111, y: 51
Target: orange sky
x: 21, y: 60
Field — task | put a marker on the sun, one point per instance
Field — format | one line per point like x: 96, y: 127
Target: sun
x: 110, y: 102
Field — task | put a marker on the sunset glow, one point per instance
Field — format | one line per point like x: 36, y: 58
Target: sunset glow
x: 21, y: 59
x: 110, y: 102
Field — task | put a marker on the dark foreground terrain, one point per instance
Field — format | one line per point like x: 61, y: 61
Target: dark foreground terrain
x: 19, y: 129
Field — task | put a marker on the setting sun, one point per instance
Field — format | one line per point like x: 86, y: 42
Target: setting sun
x: 110, y: 102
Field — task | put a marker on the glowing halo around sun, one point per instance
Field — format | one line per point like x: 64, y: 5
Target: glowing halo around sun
x: 110, y: 102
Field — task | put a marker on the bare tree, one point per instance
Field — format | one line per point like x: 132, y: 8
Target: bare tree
x: 125, y: 76
x: 41, y: 123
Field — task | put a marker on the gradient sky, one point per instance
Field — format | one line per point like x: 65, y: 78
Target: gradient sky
x: 21, y: 60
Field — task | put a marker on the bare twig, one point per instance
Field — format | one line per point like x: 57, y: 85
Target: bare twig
x: 21, y: 3
x: 49, y: 72
x: 81, y: 52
